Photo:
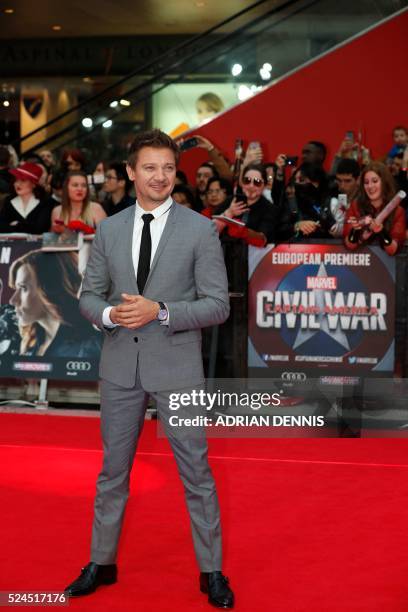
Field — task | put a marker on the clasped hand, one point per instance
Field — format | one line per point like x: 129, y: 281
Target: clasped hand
x: 367, y: 222
x: 134, y: 312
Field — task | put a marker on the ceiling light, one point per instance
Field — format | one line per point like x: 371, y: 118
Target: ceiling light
x: 244, y: 92
x: 8, y: 11
x: 56, y: 28
x: 87, y: 122
x: 236, y: 69
x: 265, y: 74
x: 6, y: 103
x: 124, y: 102
x: 114, y: 104
x: 107, y: 123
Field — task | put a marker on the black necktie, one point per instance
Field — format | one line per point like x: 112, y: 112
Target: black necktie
x: 143, y: 266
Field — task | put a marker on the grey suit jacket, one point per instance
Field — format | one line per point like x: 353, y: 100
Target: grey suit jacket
x: 187, y: 272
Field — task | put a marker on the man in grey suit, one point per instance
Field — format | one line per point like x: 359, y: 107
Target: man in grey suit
x: 155, y: 277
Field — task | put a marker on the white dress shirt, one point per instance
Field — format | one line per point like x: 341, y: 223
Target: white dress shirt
x: 157, y: 225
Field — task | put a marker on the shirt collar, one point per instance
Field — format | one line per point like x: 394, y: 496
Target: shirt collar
x: 157, y: 212
x: 17, y: 203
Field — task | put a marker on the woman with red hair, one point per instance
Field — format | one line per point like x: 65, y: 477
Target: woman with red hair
x: 377, y: 188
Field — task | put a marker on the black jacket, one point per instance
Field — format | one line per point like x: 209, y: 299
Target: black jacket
x: 37, y: 221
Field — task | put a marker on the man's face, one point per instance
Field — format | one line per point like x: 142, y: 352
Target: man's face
x: 202, y: 177
x: 111, y: 183
x: 312, y: 154
x: 400, y: 137
x: 395, y: 165
x: 346, y: 183
x: 154, y: 175
x: 47, y: 157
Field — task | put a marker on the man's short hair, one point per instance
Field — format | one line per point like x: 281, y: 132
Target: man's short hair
x: 152, y: 138
x: 349, y: 166
x: 186, y: 191
x: 182, y: 176
x: 400, y: 127
x: 121, y: 173
x: 211, y: 166
x: 321, y: 146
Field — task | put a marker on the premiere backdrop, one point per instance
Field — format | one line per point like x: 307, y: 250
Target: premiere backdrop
x: 319, y: 311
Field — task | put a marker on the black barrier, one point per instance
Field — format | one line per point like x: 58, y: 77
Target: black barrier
x: 75, y: 355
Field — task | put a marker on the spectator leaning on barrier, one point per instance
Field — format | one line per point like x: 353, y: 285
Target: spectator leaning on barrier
x: 43, y: 182
x: 116, y: 186
x: 306, y: 212
x: 259, y: 215
x: 218, y: 191
x: 27, y: 211
x: 377, y: 188
x: 217, y: 165
x: 347, y: 183
x: 203, y: 175
x: 76, y: 204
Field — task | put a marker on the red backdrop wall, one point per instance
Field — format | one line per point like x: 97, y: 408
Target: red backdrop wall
x: 362, y: 84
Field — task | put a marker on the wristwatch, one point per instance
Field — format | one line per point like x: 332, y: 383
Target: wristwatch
x: 163, y: 312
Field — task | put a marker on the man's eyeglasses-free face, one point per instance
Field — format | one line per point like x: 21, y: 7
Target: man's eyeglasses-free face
x: 247, y: 180
x: 215, y: 191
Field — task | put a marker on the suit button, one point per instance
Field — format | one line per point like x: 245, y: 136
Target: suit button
x: 136, y: 339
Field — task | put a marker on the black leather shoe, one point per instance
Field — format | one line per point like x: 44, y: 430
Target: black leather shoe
x: 216, y: 585
x: 92, y: 576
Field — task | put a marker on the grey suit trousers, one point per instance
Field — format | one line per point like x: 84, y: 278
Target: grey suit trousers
x: 122, y: 418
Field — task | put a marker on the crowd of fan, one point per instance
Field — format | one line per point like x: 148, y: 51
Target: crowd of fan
x: 288, y: 200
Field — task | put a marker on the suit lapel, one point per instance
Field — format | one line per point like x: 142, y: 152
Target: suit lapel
x: 128, y: 241
x: 168, y: 230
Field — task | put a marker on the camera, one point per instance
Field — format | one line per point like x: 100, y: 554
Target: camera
x: 240, y: 195
x: 291, y: 160
x: 190, y: 143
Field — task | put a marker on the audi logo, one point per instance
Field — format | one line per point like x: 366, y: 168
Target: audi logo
x: 78, y: 366
x: 293, y: 376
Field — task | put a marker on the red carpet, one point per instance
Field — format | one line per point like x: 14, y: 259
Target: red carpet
x: 309, y: 525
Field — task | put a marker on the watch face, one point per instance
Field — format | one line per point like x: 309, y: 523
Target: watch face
x: 162, y: 315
